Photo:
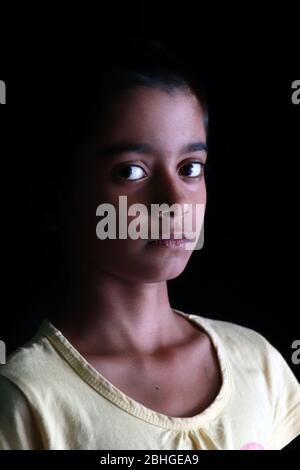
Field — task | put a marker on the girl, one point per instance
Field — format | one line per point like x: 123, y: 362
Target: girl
x: 116, y: 367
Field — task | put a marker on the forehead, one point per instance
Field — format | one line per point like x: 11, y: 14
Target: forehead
x: 152, y: 114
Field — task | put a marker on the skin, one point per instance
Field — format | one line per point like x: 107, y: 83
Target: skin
x: 124, y: 281
x: 117, y: 305
x: 117, y: 312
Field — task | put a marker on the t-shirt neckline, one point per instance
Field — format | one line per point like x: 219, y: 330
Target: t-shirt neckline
x: 103, y: 386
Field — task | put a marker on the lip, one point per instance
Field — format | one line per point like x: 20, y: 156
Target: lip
x: 168, y: 243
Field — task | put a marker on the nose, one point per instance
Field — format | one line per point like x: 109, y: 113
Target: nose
x: 168, y: 190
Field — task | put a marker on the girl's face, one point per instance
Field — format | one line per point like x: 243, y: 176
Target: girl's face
x: 143, y: 151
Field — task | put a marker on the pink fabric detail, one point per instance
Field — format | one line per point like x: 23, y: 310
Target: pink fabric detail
x: 252, y: 446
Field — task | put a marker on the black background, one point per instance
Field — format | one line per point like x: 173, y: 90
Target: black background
x: 247, y: 271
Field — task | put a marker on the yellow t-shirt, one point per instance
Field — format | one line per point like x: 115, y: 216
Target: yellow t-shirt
x: 52, y: 398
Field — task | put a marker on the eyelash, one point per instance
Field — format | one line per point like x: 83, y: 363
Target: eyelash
x: 187, y: 163
x: 202, y: 165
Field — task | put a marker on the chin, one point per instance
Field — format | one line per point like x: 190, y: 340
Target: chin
x: 160, y: 273
x: 135, y: 267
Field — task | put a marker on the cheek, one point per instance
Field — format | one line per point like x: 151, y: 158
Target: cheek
x: 83, y: 221
x: 200, y: 196
x: 194, y: 218
x: 202, y: 193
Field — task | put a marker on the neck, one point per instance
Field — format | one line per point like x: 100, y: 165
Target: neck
x: 104, y: 314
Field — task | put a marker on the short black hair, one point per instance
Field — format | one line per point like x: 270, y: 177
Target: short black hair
x: 118, y: 68
x: 73, y: 100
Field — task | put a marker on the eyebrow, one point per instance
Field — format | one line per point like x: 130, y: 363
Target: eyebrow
x: 127, y: 147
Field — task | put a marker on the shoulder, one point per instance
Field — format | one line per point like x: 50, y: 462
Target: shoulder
x: 258, y: 367
x: 19, y: 427
x: 31, y: 382
x: 250, y: 345
x: 232, y: 331
x: 252, y: 358
x: 237, y: 340
x: 33, y: 366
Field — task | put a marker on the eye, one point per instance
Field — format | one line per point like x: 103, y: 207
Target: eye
x: 131, y: 172
x: 193, y: 169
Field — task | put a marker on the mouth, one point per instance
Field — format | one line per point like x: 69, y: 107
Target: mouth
x: 170, y: 242
x: 167, y: 243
